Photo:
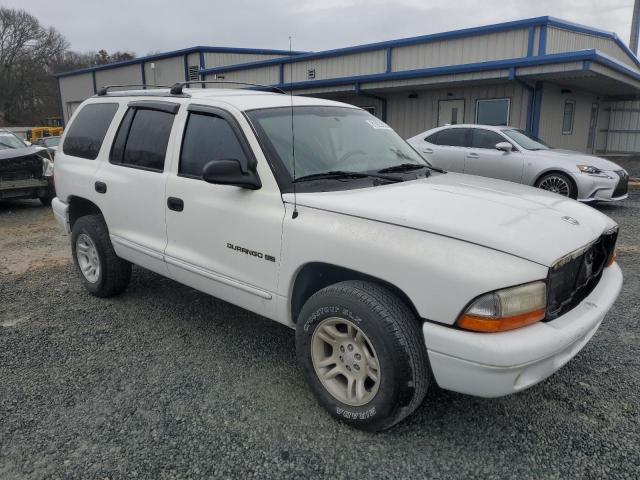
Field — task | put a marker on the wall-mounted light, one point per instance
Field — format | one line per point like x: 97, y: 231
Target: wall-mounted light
x: 565, y: 91
x: 413, y: 95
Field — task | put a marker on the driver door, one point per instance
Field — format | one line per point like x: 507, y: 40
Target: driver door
x: 222, y: 239
x: 485, y: 160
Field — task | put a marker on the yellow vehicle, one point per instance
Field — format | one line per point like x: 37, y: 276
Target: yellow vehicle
x: 36, y: 133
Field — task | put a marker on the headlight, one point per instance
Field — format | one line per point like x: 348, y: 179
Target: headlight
x: 506, y: 309
x: 589, y: 169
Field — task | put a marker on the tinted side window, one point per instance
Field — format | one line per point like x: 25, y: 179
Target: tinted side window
x: 453, y: 137
x: 433, y: 138
x: 88, y: 129
x: 207, y: 138
x: 485, y: 139
x: 142, y: 139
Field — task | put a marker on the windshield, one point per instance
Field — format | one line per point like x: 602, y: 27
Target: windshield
x: 52, y: 141
x: 526, y: 140
x: 330, y: 139
x: 9, y: 140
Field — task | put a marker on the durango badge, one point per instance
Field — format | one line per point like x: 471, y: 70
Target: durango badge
x: 252, y: 253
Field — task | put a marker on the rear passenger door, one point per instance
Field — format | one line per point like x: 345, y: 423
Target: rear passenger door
x: 133, y: 183
x: 222, y: 239
x: 485, y: 160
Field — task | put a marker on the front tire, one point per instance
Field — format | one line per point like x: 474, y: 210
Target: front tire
x: 362, y: 353
x: 103, y: 273
x: 559, y: 183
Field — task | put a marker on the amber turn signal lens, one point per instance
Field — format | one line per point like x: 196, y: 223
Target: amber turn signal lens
x: 613, y: 258
x: 491, y: 325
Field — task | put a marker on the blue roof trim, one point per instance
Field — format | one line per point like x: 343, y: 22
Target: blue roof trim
x: 582, y: 55
x: 177, y: 53
x: 542, y: 22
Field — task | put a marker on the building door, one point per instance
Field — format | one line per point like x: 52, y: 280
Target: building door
x: 450, y: 112
x: 593, y: 123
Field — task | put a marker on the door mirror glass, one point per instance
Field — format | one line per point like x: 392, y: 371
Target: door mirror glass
x: 229, y: 172
x: 504, y: 146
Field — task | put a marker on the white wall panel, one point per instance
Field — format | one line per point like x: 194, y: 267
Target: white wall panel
x: 480, y: 48
x: 130, y: 74
x: 212, y: 60
x: 560, y: 40
x: 73, y: 90
x: 166, y: 72
x: 341, y: 66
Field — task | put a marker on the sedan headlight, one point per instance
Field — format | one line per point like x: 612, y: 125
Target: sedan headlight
x: 506, y: 309
x: 589, y: 169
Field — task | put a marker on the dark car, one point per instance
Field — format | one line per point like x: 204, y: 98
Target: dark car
x: 25, y: 171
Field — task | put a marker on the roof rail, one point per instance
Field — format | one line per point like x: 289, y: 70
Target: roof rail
x: 176, y: 89
x: 105, y: 89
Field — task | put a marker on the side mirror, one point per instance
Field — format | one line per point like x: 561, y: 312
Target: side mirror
x: 229, y: 172
x: 504, y: 146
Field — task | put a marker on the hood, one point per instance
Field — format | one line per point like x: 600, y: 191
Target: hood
x: 570, y: 159
x: 513, y: 218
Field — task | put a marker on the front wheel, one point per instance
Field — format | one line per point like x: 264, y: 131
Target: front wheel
x: 362, y: 352
x: 103, y: 273
x: 558, y: 183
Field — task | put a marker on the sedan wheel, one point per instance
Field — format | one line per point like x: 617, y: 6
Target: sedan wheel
x: 557, y: 183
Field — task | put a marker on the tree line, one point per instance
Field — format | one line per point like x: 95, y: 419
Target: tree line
x: 30, y: 55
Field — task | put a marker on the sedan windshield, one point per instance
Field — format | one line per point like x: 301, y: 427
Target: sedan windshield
x: 526, y: 140
x: 332, y: 139
x: 52, y: 141
x: 9, y: 140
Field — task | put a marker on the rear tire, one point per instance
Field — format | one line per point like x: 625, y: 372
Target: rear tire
x: 390, y: 354
x: 559, y: 183
x: 103, y: 273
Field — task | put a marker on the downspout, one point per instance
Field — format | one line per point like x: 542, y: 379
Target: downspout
x: 534, y: 102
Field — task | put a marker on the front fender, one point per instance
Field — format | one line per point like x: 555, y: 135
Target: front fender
x: 439, y: 274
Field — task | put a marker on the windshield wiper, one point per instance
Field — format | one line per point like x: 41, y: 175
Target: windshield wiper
x: 338, y: 174
x: 403, y: 167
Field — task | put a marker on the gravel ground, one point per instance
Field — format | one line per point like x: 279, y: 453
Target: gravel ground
x: 165, y: 382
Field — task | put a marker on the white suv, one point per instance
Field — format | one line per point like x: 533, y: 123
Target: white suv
x: 394, y: 274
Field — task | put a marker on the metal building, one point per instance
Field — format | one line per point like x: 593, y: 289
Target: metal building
x: 574, y: 86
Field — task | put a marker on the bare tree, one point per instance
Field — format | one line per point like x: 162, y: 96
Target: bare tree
x: 28, y: 54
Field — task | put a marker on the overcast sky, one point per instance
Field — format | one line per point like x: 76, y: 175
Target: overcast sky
x: 144, y: 26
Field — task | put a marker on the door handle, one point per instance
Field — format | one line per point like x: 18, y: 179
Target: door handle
x: 100, y: 187
x: 175, y: 204
x: 427, y: 150
x: 473, y: 155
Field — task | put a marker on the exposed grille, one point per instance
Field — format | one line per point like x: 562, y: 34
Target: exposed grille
x: 573, y: 278
x: 13, y: 176
x: 623, y: 184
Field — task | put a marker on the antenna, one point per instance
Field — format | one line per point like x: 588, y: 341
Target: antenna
x: 293, y: 136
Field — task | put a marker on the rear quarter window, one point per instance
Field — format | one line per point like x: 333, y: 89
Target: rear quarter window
x: 86, y: 134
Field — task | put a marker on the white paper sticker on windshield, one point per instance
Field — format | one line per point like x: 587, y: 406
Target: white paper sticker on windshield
x: 378, y: 124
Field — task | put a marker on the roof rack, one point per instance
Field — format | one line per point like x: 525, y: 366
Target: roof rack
x: 176, y: 89
x: 105, y: 89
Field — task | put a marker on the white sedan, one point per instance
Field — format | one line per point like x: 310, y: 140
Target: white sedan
x: 508, y: 153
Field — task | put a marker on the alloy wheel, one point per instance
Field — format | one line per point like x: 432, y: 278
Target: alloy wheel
x: 345, y: 361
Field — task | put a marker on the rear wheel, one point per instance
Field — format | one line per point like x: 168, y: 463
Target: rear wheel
x: 103, y: 273
x: 362, y: 352
x: 558, y: 183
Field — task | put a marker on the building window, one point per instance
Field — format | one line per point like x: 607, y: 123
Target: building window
x: 493, y: 112
x: 567, y: 117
